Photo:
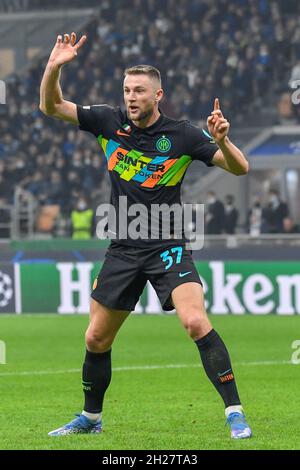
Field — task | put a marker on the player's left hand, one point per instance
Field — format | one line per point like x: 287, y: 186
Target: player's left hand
x: 217, y: 125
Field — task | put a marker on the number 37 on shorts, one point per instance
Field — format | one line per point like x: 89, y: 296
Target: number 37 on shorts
x: 171, y: 256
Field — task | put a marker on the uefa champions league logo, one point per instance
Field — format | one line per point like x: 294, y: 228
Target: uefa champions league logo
x: 6, y: 291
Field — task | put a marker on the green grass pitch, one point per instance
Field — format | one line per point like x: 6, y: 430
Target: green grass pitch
x: 159, y: 397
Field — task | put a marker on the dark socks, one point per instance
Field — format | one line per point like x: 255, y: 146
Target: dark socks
x: 216, y: 363
x: 96, y: 376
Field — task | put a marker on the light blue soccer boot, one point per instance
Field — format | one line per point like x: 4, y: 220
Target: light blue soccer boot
x: 239, y: 427
x: 79, y: 425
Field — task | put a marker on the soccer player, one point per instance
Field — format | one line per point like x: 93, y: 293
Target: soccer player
x: 147, y: 155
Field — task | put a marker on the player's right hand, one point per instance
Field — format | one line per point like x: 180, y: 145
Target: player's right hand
x: 65, y: 50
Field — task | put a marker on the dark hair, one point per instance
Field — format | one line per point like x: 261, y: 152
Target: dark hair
x: 145, y: 70
x: 229, y: 197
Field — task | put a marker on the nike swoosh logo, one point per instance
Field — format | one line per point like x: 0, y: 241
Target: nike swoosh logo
x: 226, y: 371
x: 118, y: 132
x: 184, y: 274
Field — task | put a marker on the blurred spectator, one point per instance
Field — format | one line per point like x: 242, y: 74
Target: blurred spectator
x: 4, y: 188
x: 275, y: 213
x: 46, y: 218
x: 285, y: 109
x: 255, y: 218
x: 62, y: 226
x: 4, y: 218
x: 289, y: 226
x: 231, y: 215
x: 295, y: 75
x: 214, y: 217
x: 14, y: 5
x: 55, y: 190
x: 23, y: 5
x: 82, y: 220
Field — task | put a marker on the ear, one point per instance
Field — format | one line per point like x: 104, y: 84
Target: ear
x: 159, y: 95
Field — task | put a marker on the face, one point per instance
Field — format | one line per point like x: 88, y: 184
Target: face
x: 273, y: 198
x: 211, y: 198
x: 141, y: 96
x: 81, y: 205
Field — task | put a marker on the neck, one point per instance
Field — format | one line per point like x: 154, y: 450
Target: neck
x: 148, y: 121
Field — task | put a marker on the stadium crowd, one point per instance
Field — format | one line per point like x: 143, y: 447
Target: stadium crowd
x: 14, y: 6
x: 271, y: 217
x: 246, y: 52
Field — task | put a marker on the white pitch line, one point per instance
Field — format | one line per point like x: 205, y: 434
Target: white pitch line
x: 128, y: 368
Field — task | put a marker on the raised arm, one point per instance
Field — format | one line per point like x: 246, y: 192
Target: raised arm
x: 228, y: 157
x: 51, y: 98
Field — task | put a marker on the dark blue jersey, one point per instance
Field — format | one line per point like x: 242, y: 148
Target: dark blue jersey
x: 146, y: 165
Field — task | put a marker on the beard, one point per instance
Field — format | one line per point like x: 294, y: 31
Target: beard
x: 141, y: 115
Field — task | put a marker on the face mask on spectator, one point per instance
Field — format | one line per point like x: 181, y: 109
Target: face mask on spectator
x: 273, y: 199
x: 81, y: 206
x: 211, y: 200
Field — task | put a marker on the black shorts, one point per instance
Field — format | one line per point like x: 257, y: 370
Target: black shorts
x: 126, y: 270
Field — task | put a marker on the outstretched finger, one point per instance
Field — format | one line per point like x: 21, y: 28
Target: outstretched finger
x: 80, y: 43
x: 59, y: 39
x: 216, y: 104
x: 66, y: 38
x: 73, y: 38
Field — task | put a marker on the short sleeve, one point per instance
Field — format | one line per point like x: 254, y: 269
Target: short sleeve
x: 94, y: 118
x: 200, y: 144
